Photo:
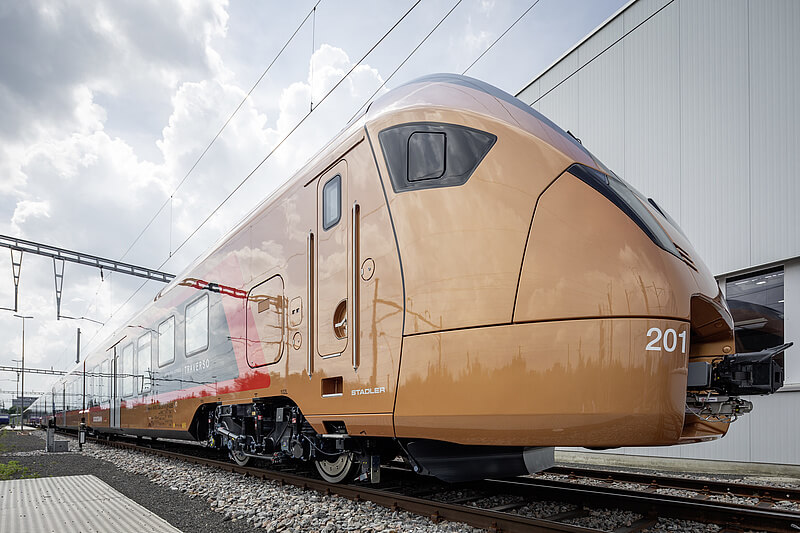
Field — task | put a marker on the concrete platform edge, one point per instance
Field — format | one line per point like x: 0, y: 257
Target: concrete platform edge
x: 678, y: 464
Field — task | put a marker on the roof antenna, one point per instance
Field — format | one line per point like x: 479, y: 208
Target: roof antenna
x: 573, y: 136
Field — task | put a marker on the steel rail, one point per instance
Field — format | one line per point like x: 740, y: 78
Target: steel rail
x: 483, y: 518
x: 764, y: 494
x: 650, y: 504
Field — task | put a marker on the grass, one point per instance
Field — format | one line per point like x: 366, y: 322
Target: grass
x: 14, y: 470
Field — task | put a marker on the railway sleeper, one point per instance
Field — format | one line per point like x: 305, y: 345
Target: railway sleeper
x: 279, y: 433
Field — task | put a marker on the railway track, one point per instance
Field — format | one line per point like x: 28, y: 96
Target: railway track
x: 767, y: 496
x: 705, y: 489
x: 404, y: 491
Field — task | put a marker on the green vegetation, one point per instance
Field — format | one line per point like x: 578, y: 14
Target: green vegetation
x: 13, y: 470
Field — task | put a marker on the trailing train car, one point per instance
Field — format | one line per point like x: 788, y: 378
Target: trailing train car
x: 452, y: 279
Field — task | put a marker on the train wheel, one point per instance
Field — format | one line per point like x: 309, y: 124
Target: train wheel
x: 239, y: 457
x: 336, y: 470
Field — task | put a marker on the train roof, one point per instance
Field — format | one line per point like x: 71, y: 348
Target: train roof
x: 430, y: 90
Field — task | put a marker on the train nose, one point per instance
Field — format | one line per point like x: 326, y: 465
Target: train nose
x: 587, y: 256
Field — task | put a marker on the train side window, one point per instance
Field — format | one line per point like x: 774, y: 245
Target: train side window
x: 91, y: 384
x: 144, y: 362
x: 332, y: 202
x: 105, y: 378
x: 427, y: 155
x: 97, y: 382
x: 166, y: 342
x: 127, y: 371
x: 426, y: 151
x: 197, y: 326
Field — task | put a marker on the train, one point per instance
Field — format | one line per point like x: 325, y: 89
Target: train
x: 454, y: 281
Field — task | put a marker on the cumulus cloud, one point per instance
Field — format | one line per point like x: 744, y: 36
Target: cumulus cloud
x: 27, y: 209
x: 474, y: 41
x: 108, y: 106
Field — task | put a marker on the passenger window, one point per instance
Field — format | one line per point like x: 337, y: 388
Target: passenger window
x: 166, y: 341
x: 426, y: 155
x: 92, y: 382
x: 127, y: 371
x: 105, y: 378
x: 197, y: 325
x: 144, y: 358
x: 332, y: 202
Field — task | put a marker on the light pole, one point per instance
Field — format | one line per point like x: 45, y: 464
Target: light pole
x: 12, y: 402
x: 23, y: 367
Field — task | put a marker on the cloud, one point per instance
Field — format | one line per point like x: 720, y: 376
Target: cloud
x: 108, y: 106
x: 27, y: 209
x: 474, y: 41
x: 486, y: 6
x: 49, y: 48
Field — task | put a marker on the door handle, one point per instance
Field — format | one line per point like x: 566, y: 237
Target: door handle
x: 356, y: 278
x: 310, y: 304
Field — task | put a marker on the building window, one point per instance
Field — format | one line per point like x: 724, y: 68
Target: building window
x: 332, y: 202
x: 756, y: 303
x: 197, y: 325
x: 166, y: 341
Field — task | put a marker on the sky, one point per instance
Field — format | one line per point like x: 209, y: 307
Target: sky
x: 107, y: 108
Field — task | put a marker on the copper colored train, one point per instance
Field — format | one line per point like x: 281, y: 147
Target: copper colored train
x: 453, y: 280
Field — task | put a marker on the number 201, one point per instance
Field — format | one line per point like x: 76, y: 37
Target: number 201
x: 668, y: 339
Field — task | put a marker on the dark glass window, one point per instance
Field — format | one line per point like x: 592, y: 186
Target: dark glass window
x: 756, y: 303
x: 425, y: 155
x: 196, y: 323
x: 332, y: 202
x: 166, y: 341
x: 630, y: 201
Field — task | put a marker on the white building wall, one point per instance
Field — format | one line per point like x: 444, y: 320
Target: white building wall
x: 697, y: 104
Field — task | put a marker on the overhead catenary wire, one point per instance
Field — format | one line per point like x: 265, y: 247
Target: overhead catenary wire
x: 271, y: 152
x: 225, y: 125
x: 303, y: 119
x: 500, y: 37
x: 294, y: 128
x: 382, y: 85
x: 170, y: 200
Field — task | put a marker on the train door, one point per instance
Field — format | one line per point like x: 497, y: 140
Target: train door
x: 332, y: 283
x: 333, y: 312
x: 267, y: 334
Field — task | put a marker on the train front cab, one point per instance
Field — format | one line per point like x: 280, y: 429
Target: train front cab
x: 547, y: 303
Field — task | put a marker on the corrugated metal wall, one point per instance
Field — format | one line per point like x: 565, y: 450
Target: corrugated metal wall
x: 697, y: 104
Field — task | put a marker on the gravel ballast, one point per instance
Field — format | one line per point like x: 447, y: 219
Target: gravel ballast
x: 173, y: 506
x: 197, y: 498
